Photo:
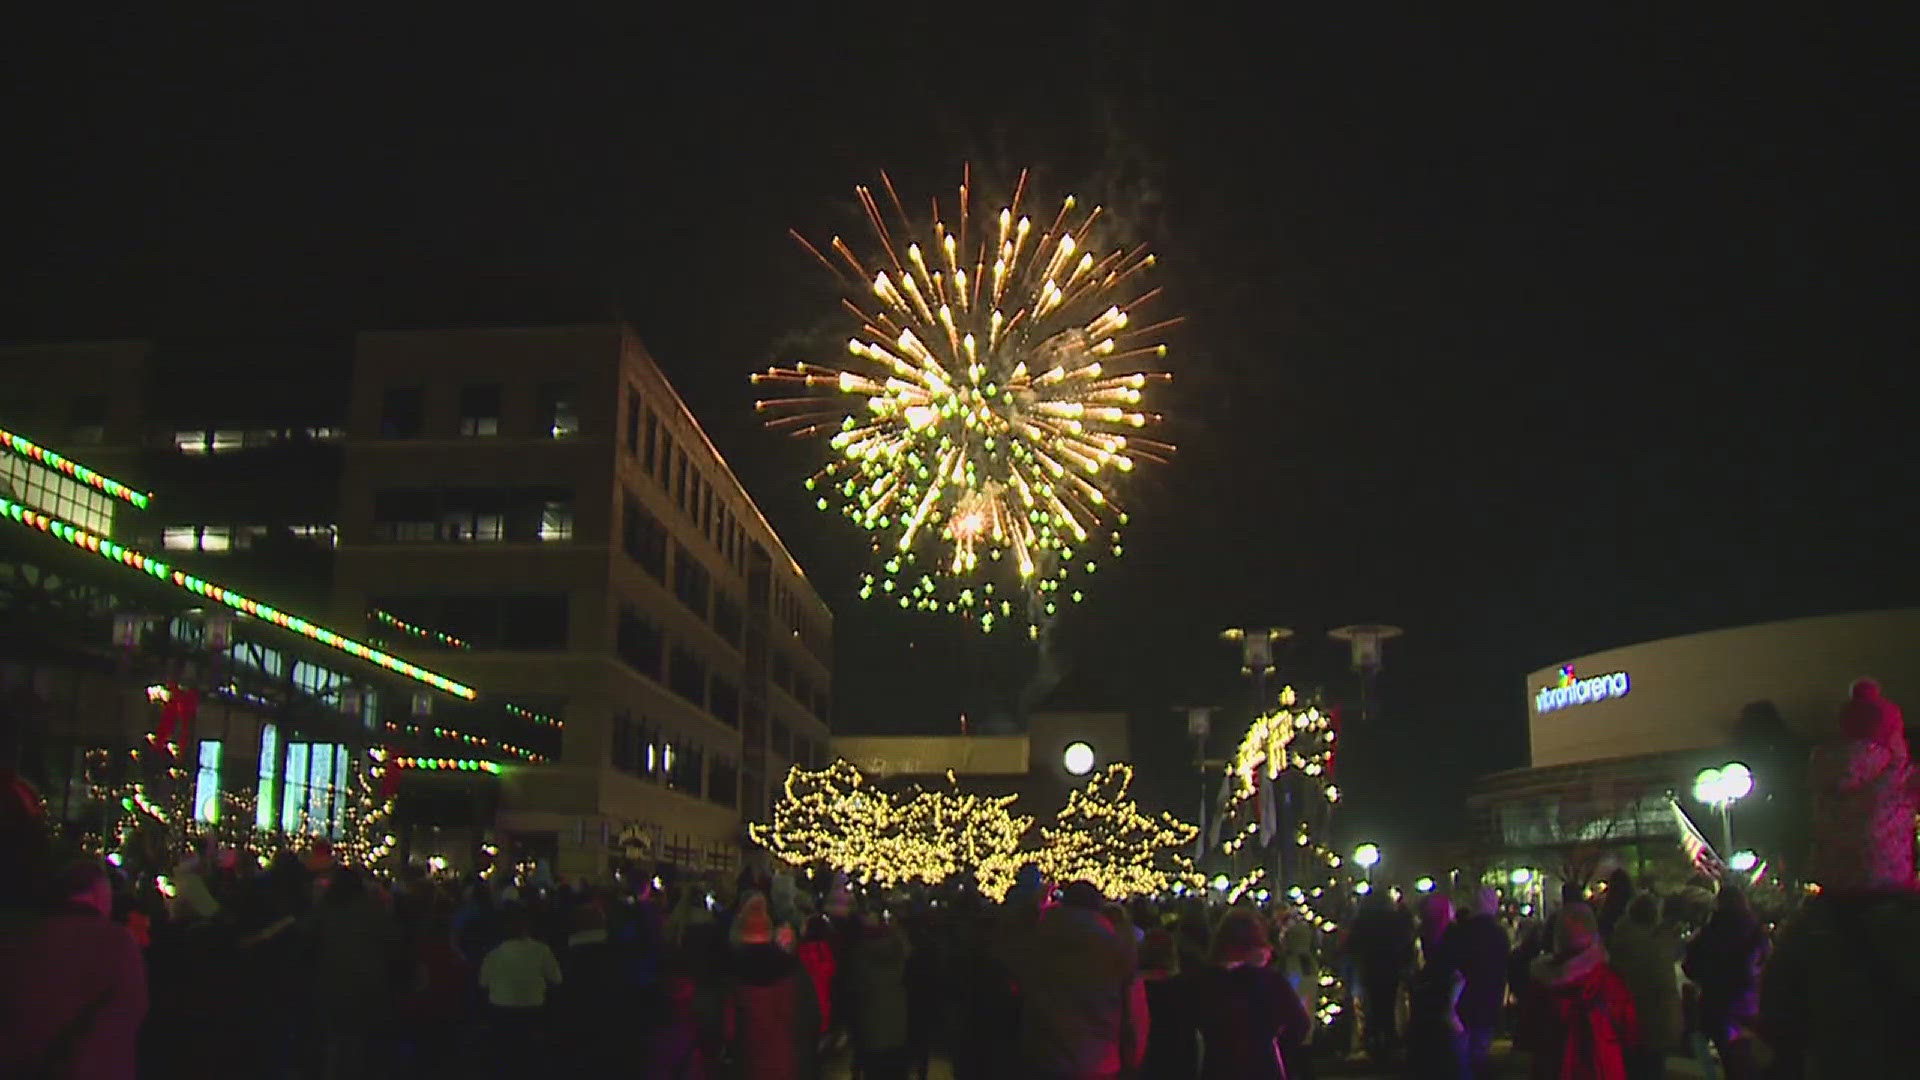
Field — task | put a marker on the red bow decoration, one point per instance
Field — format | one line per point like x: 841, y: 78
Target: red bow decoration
x: 180, y: 711
x: 389, y: 777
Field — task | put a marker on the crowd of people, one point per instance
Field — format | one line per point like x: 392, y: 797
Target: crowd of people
x: 298, y: 967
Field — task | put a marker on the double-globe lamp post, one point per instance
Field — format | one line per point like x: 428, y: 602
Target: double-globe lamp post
x: 1720, y: 788
x: 1367, y: 855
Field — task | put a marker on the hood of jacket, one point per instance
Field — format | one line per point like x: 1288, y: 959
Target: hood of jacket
x: 1555, y: 972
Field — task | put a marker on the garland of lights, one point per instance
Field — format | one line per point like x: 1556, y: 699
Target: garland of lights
x: 440, y: 764
x: 34, y: 452
x: 1301, y: 740
x: 478, y: 741
x: 107, y: 549
x: 534, y: 717
x: 387, y: 618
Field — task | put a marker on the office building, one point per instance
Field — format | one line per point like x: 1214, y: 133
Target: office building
x: 534, y: 512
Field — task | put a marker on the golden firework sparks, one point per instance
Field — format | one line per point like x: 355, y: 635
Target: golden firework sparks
x: 990, y: 404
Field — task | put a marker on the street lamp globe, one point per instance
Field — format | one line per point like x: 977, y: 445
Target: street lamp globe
x: 1367, y: 855
x: 1220, y: 882
x: 1743, y: 861
x: 1736, y: 781
x: 1078, y: 759
x: 1423, y: 884
x: 1520, y: 876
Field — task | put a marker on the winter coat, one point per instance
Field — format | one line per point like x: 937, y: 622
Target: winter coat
x: 596, y: 1005
x: 1579, y: 1018
x: 1644, y: 956
x: 878, y: 989
x: 1173, y: 1044
x: 73, y: 980
x: 817, y: 958
x: 1725, y: 959
x: 1248, y: 1016
x: 1841, y: 992
x: 1477, y: 947
x: 772, y: 1022
x: 1072, y: 973
x: 356, y: 960
x: 1865, y: 795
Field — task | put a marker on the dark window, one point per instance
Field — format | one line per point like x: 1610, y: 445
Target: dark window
x: 726, y: 616
x: 638, y: 642
x: 624, y: 753
x: 687, y: 675
x: 559, y: 410
x: 406, y: 515
x: 473, y: 516
x: 473, y: 618
x: 87, y: 419
x: 802, y: 690
x: 652, y: 458
x: 753, y: 722
x: 480, y: 409
x: 403, y: 412
x: 723, y: 783
x: 685, y: 767
x: 783, y: 739
x: 822, y: 705
x: 634, y: 409
x: 723, y: 701
x: 691, y: 581
x: 782, y: 670
x: 643, y: 537
x: 534, y: 622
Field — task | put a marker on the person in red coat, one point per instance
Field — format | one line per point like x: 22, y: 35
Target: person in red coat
x: 73, y: 988
x: 1578, y: 1018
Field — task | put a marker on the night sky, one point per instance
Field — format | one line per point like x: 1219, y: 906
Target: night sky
x: 1533, y: 338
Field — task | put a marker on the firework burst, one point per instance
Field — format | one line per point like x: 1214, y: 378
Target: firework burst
x: 989, y: 407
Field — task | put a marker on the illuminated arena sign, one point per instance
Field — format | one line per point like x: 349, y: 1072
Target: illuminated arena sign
x: 1571, y: 690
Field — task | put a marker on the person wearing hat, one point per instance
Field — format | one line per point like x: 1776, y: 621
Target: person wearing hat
x: 1840, y: 993
x: 73, y: 987
x: 1580, y: 1018
x: 770, y: 1018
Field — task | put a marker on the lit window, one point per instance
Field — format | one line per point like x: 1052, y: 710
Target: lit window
x: 324, y: 535
x: 480, y: 410
x: 559, y: 410
x: 556, y: 521
x: 216, y: 538
x: 246, y: 536
x: 225, y: 441
x: 206, y: 785
x: 190, y: 442
x: 326, y: 434
x: 260, y: 438
x: 294, y: 800
x: 180, y: 538
x: 269, y: 777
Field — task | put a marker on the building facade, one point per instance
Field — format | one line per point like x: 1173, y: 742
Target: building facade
x: 1616, y: 737
x: 1057, y: 752
x: 534, y: 511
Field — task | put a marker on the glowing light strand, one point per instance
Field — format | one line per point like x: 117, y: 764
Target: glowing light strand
x: 126, y: 556
x: 34, y: 452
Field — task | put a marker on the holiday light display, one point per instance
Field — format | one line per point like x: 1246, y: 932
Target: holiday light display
x: 1302, y: 740
x: 440, y: 764
x: 1101, y: 836
x: 980, y: 833
x: 107, y: 549
x: 34, y: 452
x: 534, y: 717
x: 833, y: 817
x: 387, y: 618
x: 480, y: 742
x: 989, y: 408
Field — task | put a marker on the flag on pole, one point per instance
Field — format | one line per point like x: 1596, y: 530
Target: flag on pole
x: 1694, y: 842
x: 1220, y: 815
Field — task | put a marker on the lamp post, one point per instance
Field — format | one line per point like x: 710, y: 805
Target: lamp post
x: 1721, y: 788
x: 1367, y: 855
x: 1367, y: 642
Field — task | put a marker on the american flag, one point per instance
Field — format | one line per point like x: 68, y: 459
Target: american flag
x: 1695, y: 843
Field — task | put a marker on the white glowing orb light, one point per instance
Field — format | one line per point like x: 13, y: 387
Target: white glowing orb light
x: 1220, y: 882
x: 1718, y: 787
x: 1520, y: 876
x: 1744, y: 861
x: 1363, y: 888
x: 1367, y: 855
x: 1078, y: 759
x: 1423, y: 884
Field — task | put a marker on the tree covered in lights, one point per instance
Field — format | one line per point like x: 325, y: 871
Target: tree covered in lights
x: 1101, y: 836
x: 980, y: 835
x: 1293, y: 741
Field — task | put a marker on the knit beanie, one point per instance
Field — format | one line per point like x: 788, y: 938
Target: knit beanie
x: 1868, y: 715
